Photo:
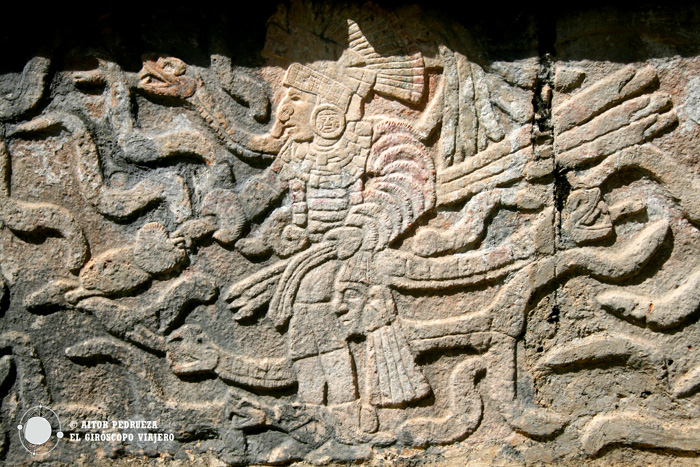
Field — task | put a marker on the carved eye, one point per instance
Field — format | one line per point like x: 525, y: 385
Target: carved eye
x: 294, y: 95
x: 352, y: 295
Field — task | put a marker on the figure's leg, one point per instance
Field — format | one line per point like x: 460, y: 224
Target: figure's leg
x: 337, y: 367
x: 311, y: 379
x: 316, y: 334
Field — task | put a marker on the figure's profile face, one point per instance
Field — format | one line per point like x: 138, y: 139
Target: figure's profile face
x: 349, y: 300
x: 351, y: 297
x: 295, y: 114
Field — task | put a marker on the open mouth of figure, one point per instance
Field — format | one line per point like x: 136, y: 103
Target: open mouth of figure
x: 150, y: 78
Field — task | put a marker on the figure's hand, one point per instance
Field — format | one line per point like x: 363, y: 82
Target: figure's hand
x: 194, y: 230
x: 292, y: 240
x: 230, y: 217
x: 247, y: 296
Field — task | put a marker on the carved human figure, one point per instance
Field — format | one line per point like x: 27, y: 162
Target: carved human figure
x: 322, y: 169
x: 349, y: 184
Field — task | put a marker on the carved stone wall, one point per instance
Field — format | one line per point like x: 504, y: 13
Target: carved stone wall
x: 342, y: 233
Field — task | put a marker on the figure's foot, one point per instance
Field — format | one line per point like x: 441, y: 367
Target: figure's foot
x: 369, y: 422
x: 194, y: 230
x: 358, y: 425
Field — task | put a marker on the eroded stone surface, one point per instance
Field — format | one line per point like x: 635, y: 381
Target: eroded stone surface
x: 379, y: 243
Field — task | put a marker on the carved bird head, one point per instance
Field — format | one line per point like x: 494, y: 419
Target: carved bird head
x: 190, y: 351
x: 165, y: 77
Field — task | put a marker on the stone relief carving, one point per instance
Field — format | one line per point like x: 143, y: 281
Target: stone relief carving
x: 373, y: 241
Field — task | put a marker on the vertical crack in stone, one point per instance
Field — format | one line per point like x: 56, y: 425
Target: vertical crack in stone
x: 543, y: 130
